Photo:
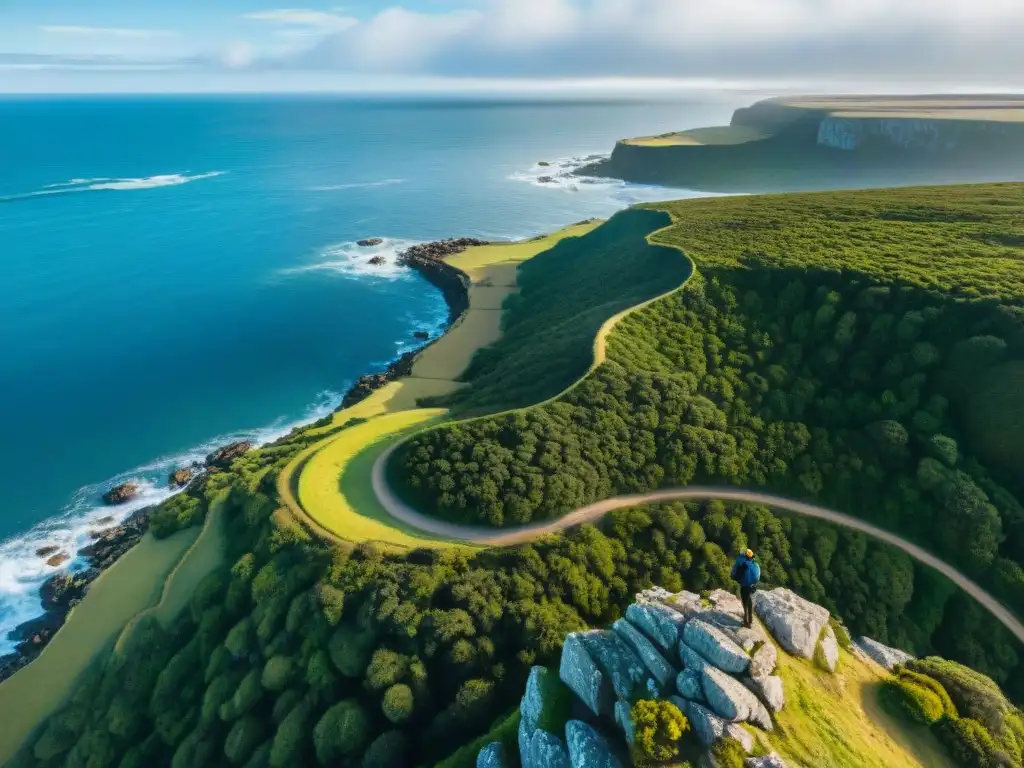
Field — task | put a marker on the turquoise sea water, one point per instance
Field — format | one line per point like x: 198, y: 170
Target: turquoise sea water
x: 180, y: 272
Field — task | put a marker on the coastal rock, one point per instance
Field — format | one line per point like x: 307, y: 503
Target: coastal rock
x: 624, y: 719
x: 543, y: 164
x: 662, y: 625
x: 421, y: 335
x: 377, y: 261
x: 105, y: 520
x: 587, y: 748
x: 369, y: 242
x: 179, y: 478
x: 829, y: 649
x: 794, y: 622
x: 545, y: 179
x: 715, y: 646
x: 769, y: 690
x: 689, y: 686
x: 624, y: 670
x: 48, y: 550
x: 882, y: 654
x: 583, y: 677
x: 731, y: 701
x: 114, y: 542
x: 492, y: 756
x: 662, y: 671
x: 54, y: 560
x: 708, y: 726
x: 62, y: 588
x: 224, y: 456
x: 766, y: 761
x: 122, y: 493
x: 764, y: 660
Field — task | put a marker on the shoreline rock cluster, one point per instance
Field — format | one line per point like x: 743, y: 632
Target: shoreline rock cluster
x: 694, y: 652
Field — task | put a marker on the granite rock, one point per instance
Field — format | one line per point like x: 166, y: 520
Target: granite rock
x: 708, y: 726
x: 544, y: 750
x: 621, y: 666
x: 731, y: 701
x: 660, y: 624
x: 829, y: 649
x: 794, y: 622
x: 624, y: 719
x: 587, y: 748
x: 742, y: 735
x: 692, y: 661
x: 715, y: 646
x: 656, y: 664
x: 492, y: 756
x: 764, y: 660
x: 769, y: 690
x: 581, y: 674
x: 689, y: 686
x: 882, y: 654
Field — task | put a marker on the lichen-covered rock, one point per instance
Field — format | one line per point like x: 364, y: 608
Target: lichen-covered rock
x: 686, y: 603
x: 726, y: 602
x: 692, y: 661
x: 829, y: 649
x: 492, y: 756
x: 621, y: 666
x: 768, y: 689
x: 882, y: 654
x: 764, y: 660
x: 731, y: 701
x: 587, y: 748
x: 544, y: 750
x: 689, y: 686
x: 535, y: 702
x: 732, y: 626
x: 715, y: 646
x: 662, y: 625
x: 794, y: 622
x: 624, y: 718
x: 766, y: 761
x: 708, y: 726
x: 660, y: 669
x: 581, y: 674
x: 742, y: 735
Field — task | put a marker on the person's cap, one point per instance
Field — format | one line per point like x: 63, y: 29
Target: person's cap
x: 750, y: 553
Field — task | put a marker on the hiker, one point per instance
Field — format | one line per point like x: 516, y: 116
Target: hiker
x: 747, y: 572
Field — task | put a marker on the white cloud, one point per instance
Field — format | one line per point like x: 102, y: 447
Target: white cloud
x: 237, y: 54
x: 303, y: 18
x: 79, y: 31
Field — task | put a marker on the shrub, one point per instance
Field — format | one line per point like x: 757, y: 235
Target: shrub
x: 386, y: 668
x: 249, y: 692
x: 277, y: 673
x: 659, y: 726
x: 729, y: 753
x: 910, y: 700
x: 341, y: 732
x: 350, y: 649
x: 284, y: 751
x: 331, y: 601
x: 319, y: 674
x: 239, y: 639
x: 388, y: 750
x: 398, y: 703
x: 242, y: 739
x: 970, y: 742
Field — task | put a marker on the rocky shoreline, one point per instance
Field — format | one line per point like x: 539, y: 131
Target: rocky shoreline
x: 429, y: 260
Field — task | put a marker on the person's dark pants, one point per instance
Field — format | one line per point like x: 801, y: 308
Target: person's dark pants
x: 747, y: 596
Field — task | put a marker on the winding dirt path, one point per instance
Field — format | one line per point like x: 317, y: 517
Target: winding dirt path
x: 508, y: 536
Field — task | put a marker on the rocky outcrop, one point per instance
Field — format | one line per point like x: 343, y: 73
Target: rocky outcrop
x: 795, y: 623
x: 708, y: 726
x: 588, y: 748
x: 624, y: 719
x: 493, y: 756
x: 421, y: 335
x: 367, y: 385
x: 583, y: 677
x: 543, y: 750
x: 829, y: 648
x: 715, y: 646
x: 539, y: 748
x: 627, y: 673
x: 882, y: 654
x: 377, y: 261
x: 731, y: 701
x: 110, y: 544
x: 369, y: 242
x: 48, y: 550
x: 223, y: 457
x: 660, y: 669
x: 428, y: 260
x: 54, y: 560
x: 688, y: 684
x: 181, y: 477
x: 763, y: 660
x: 122, y: 493
x: 662, y: 625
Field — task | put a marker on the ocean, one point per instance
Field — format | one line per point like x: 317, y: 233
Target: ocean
x: 182, y: 272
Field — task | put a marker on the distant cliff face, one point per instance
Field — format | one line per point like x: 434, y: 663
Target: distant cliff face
x: 921, y: 134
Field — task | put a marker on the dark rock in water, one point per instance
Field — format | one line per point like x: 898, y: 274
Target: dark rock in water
x: 224, y: 456
x: 369, y: 242
x: 545, y: 179
x: 110, y: 544
x: 378, y: 260
x: 121, y: 493
x: 54, y: 560
x: 105, y: 520
x: 179, y: 478
x: 543, y: 163
x: 421, y: 335
x: 48, y: 550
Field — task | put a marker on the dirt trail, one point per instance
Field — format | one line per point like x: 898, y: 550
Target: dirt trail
x: 508, y: 536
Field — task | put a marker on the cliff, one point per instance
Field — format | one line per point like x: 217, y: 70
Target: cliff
x: 832, y: 143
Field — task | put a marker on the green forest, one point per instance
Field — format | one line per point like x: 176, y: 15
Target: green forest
x: 856, y: 349
x: 859, y: 385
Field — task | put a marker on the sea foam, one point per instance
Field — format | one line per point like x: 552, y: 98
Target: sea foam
x: 101, y: 184
x: 358, y: 185
x: 22, y: 571
x: 354, y: 260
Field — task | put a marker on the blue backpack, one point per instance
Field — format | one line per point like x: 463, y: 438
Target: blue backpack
x: 746, y: 572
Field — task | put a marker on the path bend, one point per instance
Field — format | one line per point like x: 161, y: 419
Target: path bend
x: 510, y: 536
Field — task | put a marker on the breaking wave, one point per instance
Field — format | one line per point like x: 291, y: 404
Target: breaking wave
x: 104, y: 184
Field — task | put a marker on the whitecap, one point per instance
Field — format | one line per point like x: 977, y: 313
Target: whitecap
x: 352, y: 259
x: 358, y: 185
x: 101, y: 184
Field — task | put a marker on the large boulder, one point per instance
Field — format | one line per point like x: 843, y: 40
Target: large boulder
x: 708, y: 726
x: 692, y: 661
x: 769, y: 690
x: 587, y: 748
x: 796, y: 623
x: 543, y: 750
x: 624, y: 719
x: 660, y: 669
x: 687, y: 604
x: 622, y: 667
x: 222, y: 457
x: 766, y: 761
x: 829, y: 647
x: 122, y: 493
x: 764, y: 659
x: 580, y: 672
x: 715, y: 646
x: 544, y: 695
x: 688, y: 683
x: 537, y: 747
x: 742, y: 735
x: 882, y: 654
x: 492, y: 756
x: 731, y: 701
x: 664, y: 626
x: 726, y: 602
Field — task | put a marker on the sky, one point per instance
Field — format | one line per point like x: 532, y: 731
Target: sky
x: 587, y: 46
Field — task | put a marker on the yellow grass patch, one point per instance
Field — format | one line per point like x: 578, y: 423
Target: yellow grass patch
x: 718, y: 135
x: 835, y: 720
x: 335, y: 488
x: 131, y: 585
x: 483, y: 255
